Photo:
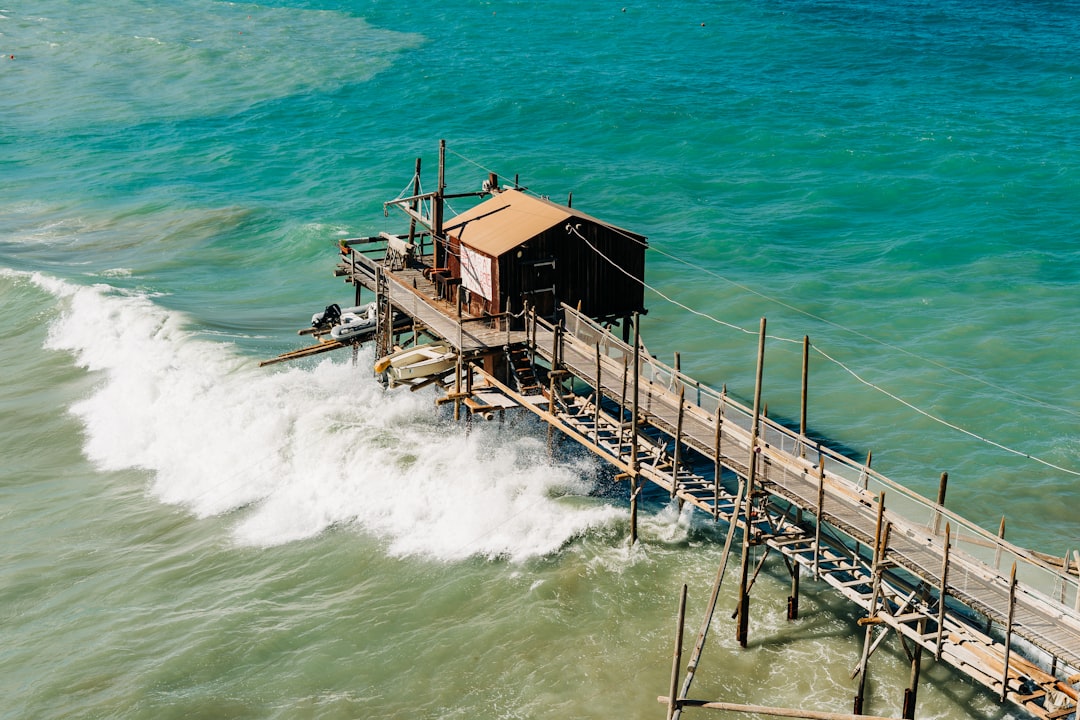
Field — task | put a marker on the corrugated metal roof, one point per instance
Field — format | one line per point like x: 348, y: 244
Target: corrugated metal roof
x: 510, y: 218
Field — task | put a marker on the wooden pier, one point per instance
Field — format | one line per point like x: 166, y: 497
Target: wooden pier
x: 1002, y: 615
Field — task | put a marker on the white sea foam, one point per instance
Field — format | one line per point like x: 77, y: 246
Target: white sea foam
x: 300, y: 450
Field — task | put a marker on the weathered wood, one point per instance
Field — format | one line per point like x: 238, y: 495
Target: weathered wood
x: 1008, y: 633
x: 676, y: 660
x: 743, y: 600
x: 943, y: 590
x: 323, y: 346
x: 803, y: 400
x: 771, y: 711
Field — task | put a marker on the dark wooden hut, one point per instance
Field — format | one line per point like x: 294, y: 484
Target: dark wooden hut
x: 514, y: 248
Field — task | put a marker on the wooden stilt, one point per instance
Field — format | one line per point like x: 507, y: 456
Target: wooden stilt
x: 943, y: 589
x: 457, y: 373
x: 718, y: 468
x: 622, y: 407
x: 866, y: 471
x: 744, y: 600
x: 912, y: 690
x: 943, y: 484
x: 634, y: 430
x: 880, y: 537
x: 805, y: 381
x: 1008, y: 633
x: 676, y: 660
x: 599, y: 394
x: 817, y: 524
x: 997, y: 550
x: 414, y: 205
x: 793, y: 599
x: 677, y: 455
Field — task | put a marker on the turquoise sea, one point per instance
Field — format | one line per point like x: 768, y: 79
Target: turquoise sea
x: 187, y: 535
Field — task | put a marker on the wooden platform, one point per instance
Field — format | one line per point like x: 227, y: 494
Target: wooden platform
x: 997, y: 613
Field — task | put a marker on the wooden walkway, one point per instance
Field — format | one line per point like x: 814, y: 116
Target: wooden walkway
x: 996, y: 612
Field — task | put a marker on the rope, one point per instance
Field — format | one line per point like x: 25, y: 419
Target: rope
x: 838, y: 326
x: 1020, y: 453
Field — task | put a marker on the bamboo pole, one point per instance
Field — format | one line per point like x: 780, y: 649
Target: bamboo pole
x: 676, y: 660
x: 1008, y: 633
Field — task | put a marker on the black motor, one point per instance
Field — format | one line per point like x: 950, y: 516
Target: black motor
x: 327, y: 318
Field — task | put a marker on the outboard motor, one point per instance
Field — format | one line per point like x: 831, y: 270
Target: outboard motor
x: 327, y: 318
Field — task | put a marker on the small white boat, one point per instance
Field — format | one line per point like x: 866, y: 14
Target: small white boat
x: 355, y: 321
x: 333, y: 313
x: 417, y: 362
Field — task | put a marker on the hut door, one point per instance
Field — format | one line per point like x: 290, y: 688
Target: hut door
x: 540, y: 287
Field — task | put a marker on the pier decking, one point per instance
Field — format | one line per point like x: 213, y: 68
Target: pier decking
x: 994, y: 611
x: 1004, y: 616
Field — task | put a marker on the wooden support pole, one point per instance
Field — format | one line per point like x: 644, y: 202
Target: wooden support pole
x: 793, y: 598
x: 770, y: 711
x: 805, y: 382
x: 866, y: 471
x: 677, y: 459
x: 718, y: 468
x: 634, y: 432
x: 437, y: 210
x: 457, y: 367
x: 820, y: 508
x: 997, y: 550
x: 622, y: 406
x: 879, y: 549
x: 743, y: 599
x: 596, y: 398
x: 912, y: 690
x: 414, y: 204
x: 532, y: 333
x: 1008, y: 633
x: 943, y: 484
x: 634, y: 404
x: 942, y: 592
x: 676, y: 660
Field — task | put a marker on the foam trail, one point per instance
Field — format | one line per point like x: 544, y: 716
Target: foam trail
x: 301, y: 450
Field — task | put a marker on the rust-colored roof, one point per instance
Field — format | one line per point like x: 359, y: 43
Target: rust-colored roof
x: 508, y: 219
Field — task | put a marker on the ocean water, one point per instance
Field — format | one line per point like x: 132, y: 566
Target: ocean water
x: 187, y: 535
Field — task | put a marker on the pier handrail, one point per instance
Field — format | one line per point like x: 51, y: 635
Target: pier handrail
x: 1036, y: 577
